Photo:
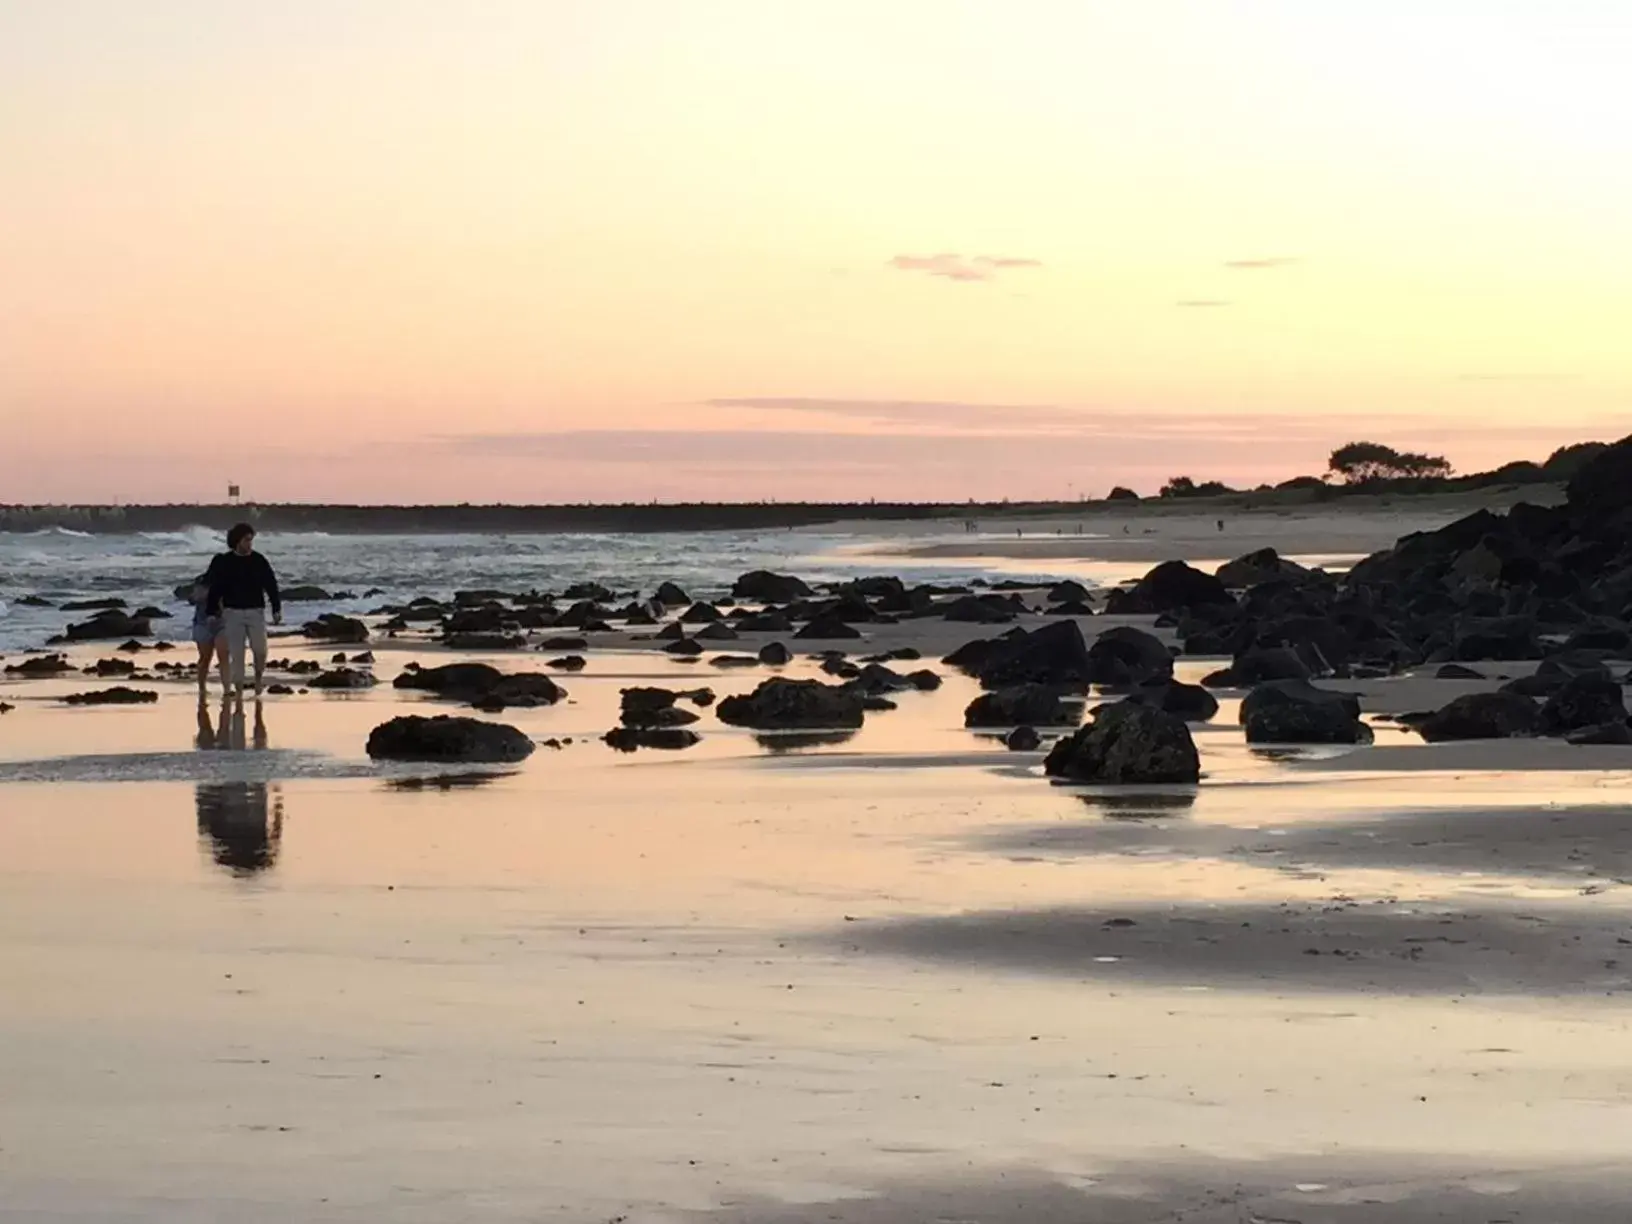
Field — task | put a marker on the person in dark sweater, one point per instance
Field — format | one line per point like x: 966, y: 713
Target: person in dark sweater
x: 242, y: 584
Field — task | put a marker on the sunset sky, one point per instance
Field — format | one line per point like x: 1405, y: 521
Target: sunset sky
x: 568, y: 250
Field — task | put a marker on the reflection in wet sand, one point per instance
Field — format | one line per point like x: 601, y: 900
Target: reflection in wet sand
x: 796, y: 741
x: 243, y: 822
x: 1136, y: 805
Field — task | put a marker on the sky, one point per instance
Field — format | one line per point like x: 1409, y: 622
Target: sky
x: 608, y: 250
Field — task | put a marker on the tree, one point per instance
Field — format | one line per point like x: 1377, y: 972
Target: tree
x: 1179, y: 486
x: 1359, y: 463
x: 1122, y: 493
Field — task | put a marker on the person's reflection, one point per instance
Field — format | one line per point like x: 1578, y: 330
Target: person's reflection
x: 242, y: 822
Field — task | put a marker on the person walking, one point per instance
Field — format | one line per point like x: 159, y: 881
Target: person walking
x: 208, y: 636
x: 242, y: 584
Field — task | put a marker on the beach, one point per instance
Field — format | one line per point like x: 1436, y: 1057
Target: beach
x: 873, y: 974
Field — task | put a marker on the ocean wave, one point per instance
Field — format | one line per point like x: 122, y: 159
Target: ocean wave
x: 194, y: 537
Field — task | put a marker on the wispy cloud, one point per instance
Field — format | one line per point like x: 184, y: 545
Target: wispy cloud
x: 958, y: 268
x: 1263, y: 261
x: 1201, y: 302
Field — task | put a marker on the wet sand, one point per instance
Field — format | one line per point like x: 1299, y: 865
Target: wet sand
x: 890, y: 976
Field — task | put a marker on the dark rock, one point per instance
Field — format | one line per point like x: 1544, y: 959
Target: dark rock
x: 1319, y: 722
x: 1074, y: 608
x: 35, y: 601
x: 1055, y: 654
x: 331, y: 627
x: 1124, y: 656
x: 775, y: 654
x: 473, y: 682
x: 1603, y: 486
x: 108, y: 668
x: 591, y: 591
x: 1610, y: 733
x: 1127, y: 743
x: 824, y: 629
x: 628, y: 739
x: 718, y: 631
x: 1068, y: 591
x: 779, y: 703
x: 1265, y: 565
x: 280, y: 690
x: 1023, y: 739
x: 1540, y: 684
x: 1265, y: 663
x: 733, y: 660
x: 485, y: 641
x: 444, y: 738
x: 1455, y: 671
x: 1190, y: 702
x: 108, y: 626
x: 1022, y: 704
x: 671, y: 596
x: 1582, y: 702
x: 94, y: 605
x: 1481, y: 716
x: 762, y: 586
x: 564, y: 643
x: 701, y: 614
x: 1172, y: 585
x: 343, y: 678
x: 305, y: 594
x: 568, y: 663
x: 1497, y: 638
x: 980, y: 610
x: 118, y: 695
x: 149, y: 612
x: 684, y: 647
x: 1602, y: 634
x: 924, y: 680
x: 1297, y: 692
x: 765, y: 622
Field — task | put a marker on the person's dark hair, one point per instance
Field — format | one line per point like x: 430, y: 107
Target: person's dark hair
x: 238, y: 533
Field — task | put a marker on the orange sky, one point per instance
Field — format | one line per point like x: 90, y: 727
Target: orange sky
x: 608, y: 249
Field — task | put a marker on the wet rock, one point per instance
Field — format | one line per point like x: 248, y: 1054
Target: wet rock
x: 1055, y: 655
x: 118, y: 695
x: 1023, y: 739
x: 587, y: 591
x: 1582, y: 702
x: 343, y: 678
x: 108, y: 668
x: 280, y: 690
x: 824, y: 629
x: 39, y: 666
x: 149, y: 612
x: 474, y: 642
x: 1610, y: 733
x: 701, y: 614
x: 1126, y: 743
x: 1190, y: 702
x: 305, y: 594
x: 1256, y: 568
x: 671, y: 596
x: 568, y: 663
x: 1263, y: 664
x: 733, y: 660
x: 1124, y: 656
x: 564, y: 643
x: 684, y: 648
x: 775, y: 654
x: 1305, y: 722
x: 108, y: 626
x: 445, y: 738
x: 1020, y: 705
x: 1073, y: 608
x: 1455, y: 671
x: 332, y: 627
x: 718, y: 631
x: 36, y: 601
x: 762, y: 586
x: 473, y: 682
x: 779, y: 704
x: 629, y: 739
x: 981, y: 610
x: 765, y: 622
x: 1481, y: 716
x: 1276, y: 693
x: 1068, y: 591
x: 1172, y: 585
x: 1497, y: 638
x: 94, y: 605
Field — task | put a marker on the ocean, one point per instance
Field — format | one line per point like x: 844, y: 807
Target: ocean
x: 61, y: 565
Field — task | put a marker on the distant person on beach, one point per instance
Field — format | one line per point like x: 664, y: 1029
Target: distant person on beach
x: 208, y: 635
x: 242, y: 584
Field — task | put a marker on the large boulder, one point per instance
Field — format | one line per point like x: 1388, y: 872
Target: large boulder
x: 1055, y: 654
x: 1124, y: 656
x: 444, y: 738
x: 782, y: 704
x: 1167, y: 588
x: 671, y: 596
x: 980, y: 610
x: 1481, y: 716
x: 1021, y: 705
x: 762, y: 586
x: 1256, y: 568
x: 1295, y: 712
x: 482, y: 684
x: 1585, y: 701
x: 1497, y: 638
x: 1127, y: 742
x: 1604, y: 483
x: 1190, y: 702
x: 111, y: 625
x: 332, y: 627
x: 1263, y: 664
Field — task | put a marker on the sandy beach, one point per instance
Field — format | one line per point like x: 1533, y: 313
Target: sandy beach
x: 888, y: 974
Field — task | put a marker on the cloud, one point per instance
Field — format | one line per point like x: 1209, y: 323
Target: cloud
x: 1263, y: 261
x: 1201, y: 302
x: 956, y: 267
